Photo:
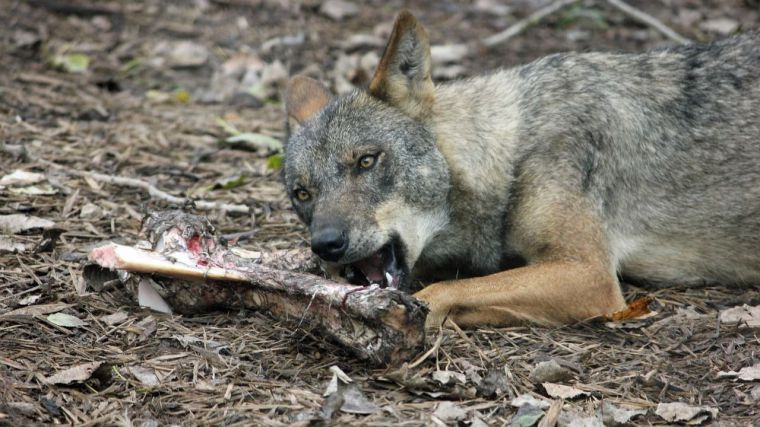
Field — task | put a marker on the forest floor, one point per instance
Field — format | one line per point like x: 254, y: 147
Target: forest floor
x: 186, y: 96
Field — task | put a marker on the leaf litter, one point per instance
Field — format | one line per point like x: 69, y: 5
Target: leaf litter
x: 244, y: 368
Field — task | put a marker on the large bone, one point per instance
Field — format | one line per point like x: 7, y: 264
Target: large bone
x: 382, y: 326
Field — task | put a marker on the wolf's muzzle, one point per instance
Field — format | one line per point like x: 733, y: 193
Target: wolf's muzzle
x: 329, y: 243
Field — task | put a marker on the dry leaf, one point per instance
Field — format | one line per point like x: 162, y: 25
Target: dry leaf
x: 450, y: 411
x: 749, y: 373
x: 529, y: 399
x: 613, y: 415
x: 19, y: 223
x: 147, y: 296
x: 38, y: 310
x: 559, y: 391
x: 635, y: 310
x: 29, y: 300
x: 115, y: 318
x: 745, y: 316
x: 21, y: 178
x: 147, y: 376
x: 682, y: 413
x: 338, y: 9
x: 66, y: 320
x: 9, y: 245
x: 76, y: 373
x: 549, y: 371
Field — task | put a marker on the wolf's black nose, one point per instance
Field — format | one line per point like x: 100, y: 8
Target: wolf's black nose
x: 329, y: 243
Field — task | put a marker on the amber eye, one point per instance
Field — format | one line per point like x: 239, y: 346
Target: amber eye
x: 367, y: 161
x: 302, y: 195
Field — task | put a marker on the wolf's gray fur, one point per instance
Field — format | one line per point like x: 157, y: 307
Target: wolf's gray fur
x: 664, y: 145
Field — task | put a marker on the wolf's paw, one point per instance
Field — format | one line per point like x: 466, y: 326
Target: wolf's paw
x: 437, y: 296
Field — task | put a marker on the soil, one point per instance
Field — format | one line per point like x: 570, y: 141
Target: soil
x: 133, y: 113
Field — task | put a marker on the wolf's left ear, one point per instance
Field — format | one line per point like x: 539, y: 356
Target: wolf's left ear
x: 305, y: 97
x: 403, y: 77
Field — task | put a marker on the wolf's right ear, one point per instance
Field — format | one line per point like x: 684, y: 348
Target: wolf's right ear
x: 403, y: 77
x: 304, y: 98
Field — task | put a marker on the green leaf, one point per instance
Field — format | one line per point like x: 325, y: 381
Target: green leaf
x: 227, y: 126
x: 182, y: 96
x: 230, y: 182
x: 72, y: 62
x: 274, y: 162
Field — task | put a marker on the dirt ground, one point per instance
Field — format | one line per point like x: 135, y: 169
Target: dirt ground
x: 107, y: 87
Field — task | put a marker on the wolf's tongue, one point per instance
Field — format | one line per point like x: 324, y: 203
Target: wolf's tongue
x: 372, y: 267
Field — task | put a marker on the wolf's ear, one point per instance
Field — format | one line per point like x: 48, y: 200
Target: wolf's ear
x: 305, y: 97
x: 403, y: 77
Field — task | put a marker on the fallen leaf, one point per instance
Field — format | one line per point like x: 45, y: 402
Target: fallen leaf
x: 19, y: 223
x: 38, y: 310
x: 755, y: 393
x: 527, y: 415
x: 274, y: 162
x: 446, y: 54
x: 493, y: 7
x: 549, y: 371
x: 529, y: 399
x: 637, y: 309
x: 577, y: 419
x: 682, y: 412
x: 90, y: 211
x: 66, y: 320
x: 76, y: 373
x: 183, y: 54
x: 342, y: 393
x: 449, y: 377
x: 71, y: 62
x: 147, y: 296
x: 450, y: 411
x: 354, y: 401
x: 9, y: 245
x: 559, y: 391
x: 745, y: 315
x: 29, y: 300
x: 722, y: 26
x: 147, y: 376
x: 338, y: 9
x: 20, y: 178
x: 34, y: 190
x: 113, y: 319
x: 614, y: 416
x: 749, y: 373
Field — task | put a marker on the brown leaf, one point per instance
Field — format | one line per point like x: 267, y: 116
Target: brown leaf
x: 636, y: 309
x: 76, y: 373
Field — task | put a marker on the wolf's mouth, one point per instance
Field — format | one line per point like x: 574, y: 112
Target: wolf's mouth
x: 384, y: 268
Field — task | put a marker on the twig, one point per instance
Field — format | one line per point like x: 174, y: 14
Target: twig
x: 152, y: 190
x: 469, y: 341
x: 427, y: 354
x: 521, y: 25
x: 648, y: 20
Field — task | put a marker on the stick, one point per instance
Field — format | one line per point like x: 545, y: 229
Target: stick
x: 650, y: 20
x: 193, y: 273
x: 521, y: 25
x: 152, y: 190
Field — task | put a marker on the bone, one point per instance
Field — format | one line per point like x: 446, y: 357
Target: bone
x: 385, y: 327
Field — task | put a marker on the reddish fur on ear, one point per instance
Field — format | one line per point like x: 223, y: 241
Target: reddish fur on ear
x: 305, y: 97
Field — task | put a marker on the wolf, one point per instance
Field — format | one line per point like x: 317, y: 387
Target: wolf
x: 526, y: 194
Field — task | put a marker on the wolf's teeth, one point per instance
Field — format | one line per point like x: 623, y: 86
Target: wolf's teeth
x: 389, y: 278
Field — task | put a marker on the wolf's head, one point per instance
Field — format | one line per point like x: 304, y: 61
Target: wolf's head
x: 363, y: 170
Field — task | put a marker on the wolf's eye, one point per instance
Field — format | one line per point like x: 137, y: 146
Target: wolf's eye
x: 367, y: 161
x: 302, y: 195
